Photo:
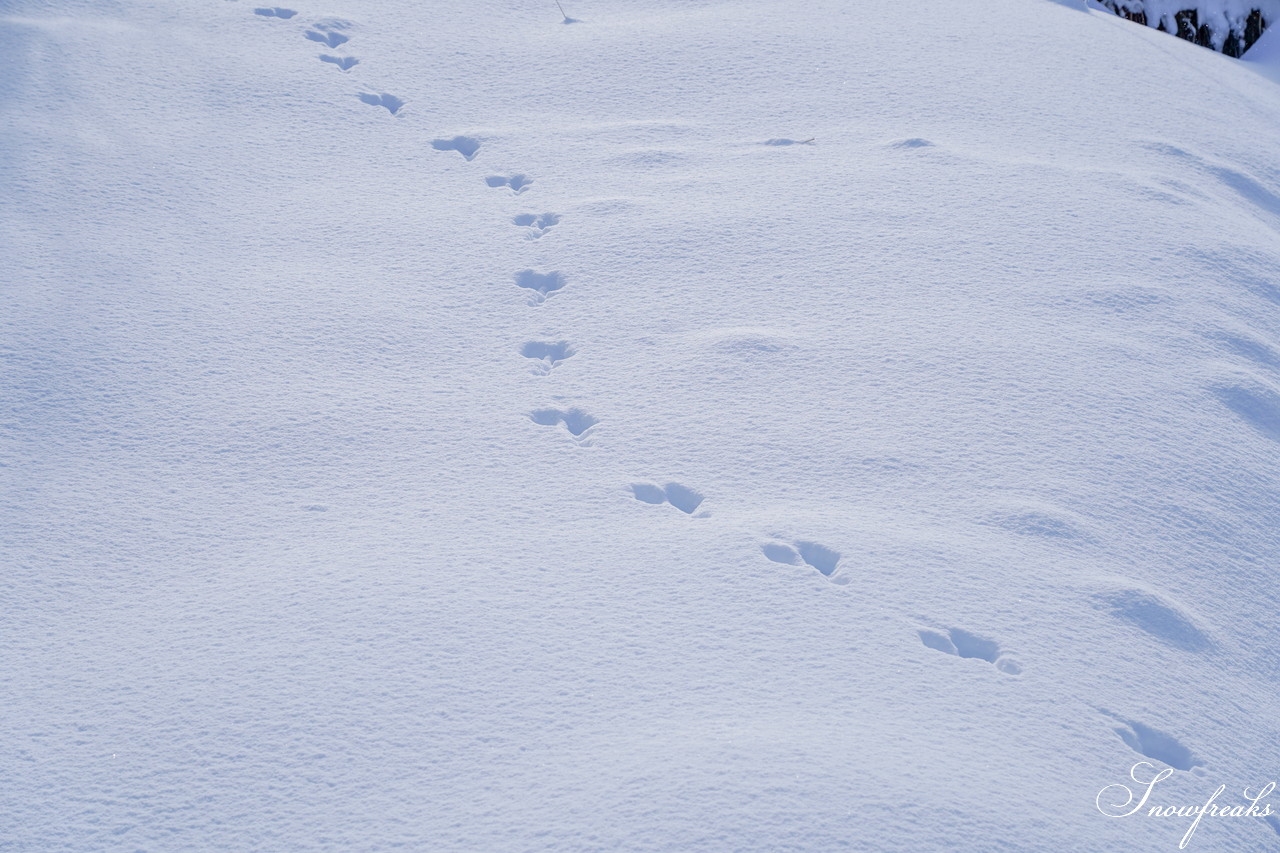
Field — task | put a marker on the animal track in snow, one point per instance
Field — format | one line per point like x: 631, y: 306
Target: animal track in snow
x: 784, y: 141
x: 543, y: 284
x: 548, y: 354
x: 391, y: 102
x: 681, y: 497
x: 517, y: 183
x: 811, y: 554
x: 963, y: 644
x: 537, y: 223
x: 464, y: 145
x: 329, y: 38
x: 576, y: 421
x: 1154, y: 743
x: 275, y: 12
x: 344, y: 63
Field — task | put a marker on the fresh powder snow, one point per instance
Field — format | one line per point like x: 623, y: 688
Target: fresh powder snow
x: 679, y: 425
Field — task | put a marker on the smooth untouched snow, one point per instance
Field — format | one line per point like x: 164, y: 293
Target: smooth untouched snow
x: 725, y: 425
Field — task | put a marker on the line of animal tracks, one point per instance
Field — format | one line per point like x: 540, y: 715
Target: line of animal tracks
x: 540, y: 287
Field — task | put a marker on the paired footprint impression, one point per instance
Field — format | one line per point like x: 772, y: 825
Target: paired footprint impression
x: 810, y: 554
x: 391, y: 102
x: 537, y: 223
x: 327, y: 35
x: 961, y: 643
x: 546, y: 354
x: 516, y: 183
x: 344, y: 63
x: 542, y: 284
x: 576, y: 421
x: 681, y: 497
x: 464, y: 145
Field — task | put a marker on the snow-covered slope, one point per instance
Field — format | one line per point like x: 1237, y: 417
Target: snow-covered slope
x: 909, y: 471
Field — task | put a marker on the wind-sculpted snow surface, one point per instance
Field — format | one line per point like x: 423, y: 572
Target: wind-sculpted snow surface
x: 710, y: 426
